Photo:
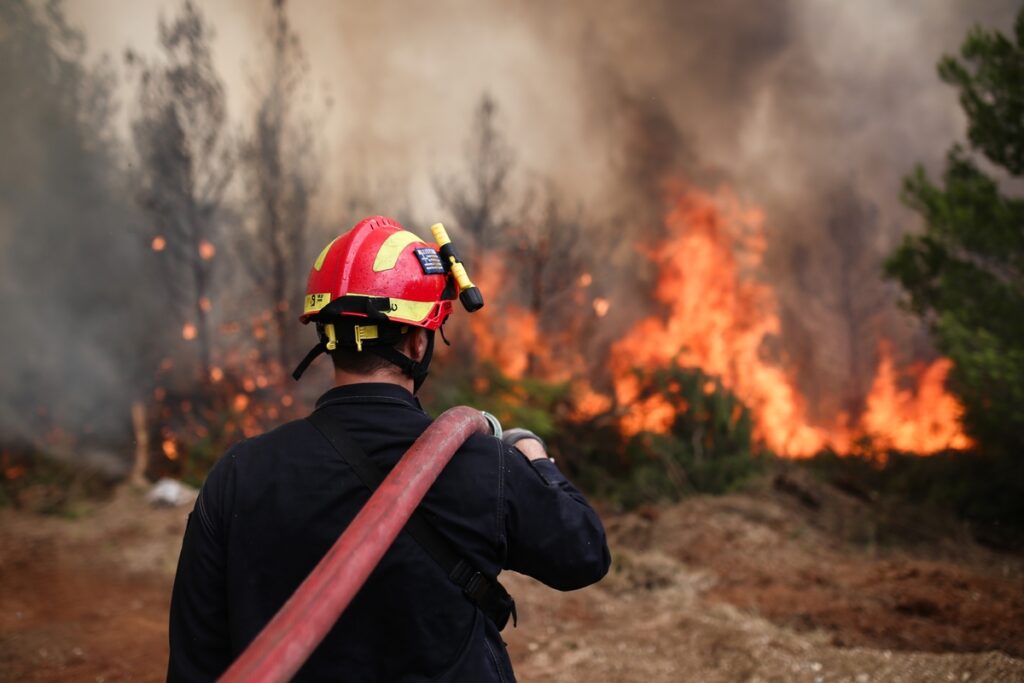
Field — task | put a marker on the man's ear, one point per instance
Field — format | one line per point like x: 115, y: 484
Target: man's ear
x: 416, y: 343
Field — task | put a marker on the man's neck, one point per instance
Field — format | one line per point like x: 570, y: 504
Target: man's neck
x: 343, y: 378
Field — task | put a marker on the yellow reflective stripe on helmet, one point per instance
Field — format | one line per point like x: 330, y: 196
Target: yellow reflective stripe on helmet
x: 410, y: 310
x: 323, y: 255
x: 406, y: 309
x: 392, y: 247
x: 314, y: 302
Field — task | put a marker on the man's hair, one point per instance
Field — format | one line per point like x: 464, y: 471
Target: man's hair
x: 363, y: 362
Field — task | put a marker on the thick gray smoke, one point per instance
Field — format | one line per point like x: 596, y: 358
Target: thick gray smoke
x: 71, y: 280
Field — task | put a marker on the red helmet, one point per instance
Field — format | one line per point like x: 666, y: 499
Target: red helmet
x: 379, y: 259
x: 380, y: 274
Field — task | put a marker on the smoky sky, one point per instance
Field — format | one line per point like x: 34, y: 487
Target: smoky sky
x: 779, y: 95
x: 811, y: 109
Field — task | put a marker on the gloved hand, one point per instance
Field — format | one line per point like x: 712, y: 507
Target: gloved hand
x: 527, y: 442
x: 517, y: 434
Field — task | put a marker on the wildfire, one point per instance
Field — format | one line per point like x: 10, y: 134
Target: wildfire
x: 170, y: 449
x: 718, y: 319
x: 512, y: 340
x: 159, y: 243
x: 188, y: 331
x: 900, y: 419
x: 206, y: 250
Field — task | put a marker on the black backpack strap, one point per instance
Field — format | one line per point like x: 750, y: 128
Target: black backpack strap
x: 483, y: 591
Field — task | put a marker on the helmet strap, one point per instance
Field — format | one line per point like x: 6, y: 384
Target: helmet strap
x: 417, y: 370
x: 310, y: 357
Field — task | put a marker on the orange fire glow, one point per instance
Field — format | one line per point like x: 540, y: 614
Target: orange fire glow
x: 188, y: 331
x: 14, y: 471
x: 170, y: 449
x: 206, y: 250
x: 158, y: 243
x: 924, y: 421
x: 512, y: 340
x: 719, y: 318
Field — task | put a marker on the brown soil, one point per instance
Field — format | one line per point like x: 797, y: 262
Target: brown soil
x: 755, y: 587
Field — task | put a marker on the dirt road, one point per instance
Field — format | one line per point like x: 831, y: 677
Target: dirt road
x: 739, y: 588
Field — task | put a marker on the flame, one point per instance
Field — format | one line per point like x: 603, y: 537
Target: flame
x: 188, y: 331
x: 601, y: 306
x: 718, y: 317
x: 925, y: 421
x: 511, y: 338
x: 158, y: 243
x: 170, y: 449
x: 14, y: 472
x: 206, y: 250
x: 588, y: 403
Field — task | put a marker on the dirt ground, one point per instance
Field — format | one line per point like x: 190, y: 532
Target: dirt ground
x: 766, y: 586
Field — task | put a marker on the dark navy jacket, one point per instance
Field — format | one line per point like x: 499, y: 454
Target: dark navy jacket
x: 274, y: 504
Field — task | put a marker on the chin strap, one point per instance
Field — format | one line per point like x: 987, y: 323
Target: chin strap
x: 310, y: 357
x: 418, y: 370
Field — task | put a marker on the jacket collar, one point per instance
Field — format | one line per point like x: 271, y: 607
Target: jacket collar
x: 369, y: 392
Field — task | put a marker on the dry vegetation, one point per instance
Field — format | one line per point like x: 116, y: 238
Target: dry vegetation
x: 764, y: 586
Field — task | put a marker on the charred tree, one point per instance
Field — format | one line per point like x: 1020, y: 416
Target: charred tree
x: 860, y: 298
x: 277, y: 159
x: 479, y: 201
x: 184, y: 166
x: 838, y: 298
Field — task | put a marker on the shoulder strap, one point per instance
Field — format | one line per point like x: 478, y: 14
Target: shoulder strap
x: 483, y: 591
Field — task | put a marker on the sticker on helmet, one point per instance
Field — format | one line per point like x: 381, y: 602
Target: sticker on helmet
x: 314, y: 302
x: 430, y: 260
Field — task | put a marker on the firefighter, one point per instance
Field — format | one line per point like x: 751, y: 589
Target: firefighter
x: 433, y: 608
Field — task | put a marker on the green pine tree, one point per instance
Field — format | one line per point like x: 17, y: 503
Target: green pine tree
x: 965, y: 273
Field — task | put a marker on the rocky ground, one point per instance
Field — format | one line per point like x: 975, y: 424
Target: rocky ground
x: 794, y: 582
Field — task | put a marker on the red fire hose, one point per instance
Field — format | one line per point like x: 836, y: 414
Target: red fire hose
x: 285, y: 643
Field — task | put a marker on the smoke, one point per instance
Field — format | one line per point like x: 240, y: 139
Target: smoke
x: 813, y: 111
x: 810, y: 109
x: 71, y: 284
